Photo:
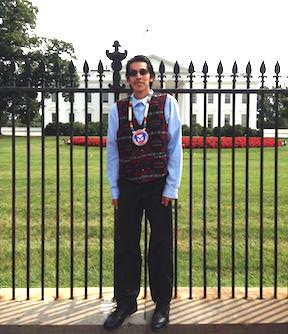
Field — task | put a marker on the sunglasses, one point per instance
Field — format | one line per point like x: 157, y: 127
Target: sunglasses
x: 133, y: 73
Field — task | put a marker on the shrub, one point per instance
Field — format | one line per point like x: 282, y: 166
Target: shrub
x: 185, y: 130
x: 197, y: 130
x: 226, y: 131
x: 78, y: 129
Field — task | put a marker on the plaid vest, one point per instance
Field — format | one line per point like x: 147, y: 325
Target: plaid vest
x: 141, y: 164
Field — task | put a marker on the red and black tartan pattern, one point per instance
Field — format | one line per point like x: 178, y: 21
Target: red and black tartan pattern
x: 142, y: 164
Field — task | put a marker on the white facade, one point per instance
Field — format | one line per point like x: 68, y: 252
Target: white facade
x: 183, y: 99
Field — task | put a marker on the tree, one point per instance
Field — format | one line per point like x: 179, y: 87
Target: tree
x: 265, y: 104
x: 283, y: 108
x: 19, y: 42
x: 269, y: 110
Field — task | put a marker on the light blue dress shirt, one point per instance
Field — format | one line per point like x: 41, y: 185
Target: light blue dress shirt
x: 171, y: 112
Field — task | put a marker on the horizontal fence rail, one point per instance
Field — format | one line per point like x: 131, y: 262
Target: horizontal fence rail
x: 57, y: 225
x: 235, y: 91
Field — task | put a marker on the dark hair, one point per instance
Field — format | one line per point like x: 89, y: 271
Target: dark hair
x: 137, y: 59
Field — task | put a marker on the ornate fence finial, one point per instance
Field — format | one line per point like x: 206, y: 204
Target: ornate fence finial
x: 205, y: 68
x: 277, y: 68
x: 277, y: 76
x: 220, y: 68
x: 176, y: 71
x: 12, y: 66
x: 27, y: 71
x: 235, y: 69
x: 100, y: 69
x: 42, y: 72
x: 42, y: 68
x: 191, y: 68
x: 13, y: 69
x: 72, y: 69
x: 263, y: 76
x: 220, y: 73
x: 116, y: 65
x: 57, y: 71
x: 234, y: 74
x: 86, y: 68
x: 162, y: 75
x: 191, y: 75
x: 205, y: 74
x: 262, y: 68
x: 72, y: 72
x: 248, y: 70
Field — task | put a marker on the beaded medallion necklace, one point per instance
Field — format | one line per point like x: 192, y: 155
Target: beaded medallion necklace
x: 140, y: 136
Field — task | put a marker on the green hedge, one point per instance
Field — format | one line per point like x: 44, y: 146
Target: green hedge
x: 78, y: 129
x: 226, y: 131
x: 94, y: 130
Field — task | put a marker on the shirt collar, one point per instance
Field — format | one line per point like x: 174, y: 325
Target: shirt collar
x: 138, y: 101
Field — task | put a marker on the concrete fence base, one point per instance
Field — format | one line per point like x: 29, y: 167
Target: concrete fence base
x: 21, y: 132
x: 270, y: 133
x: 197, y: 315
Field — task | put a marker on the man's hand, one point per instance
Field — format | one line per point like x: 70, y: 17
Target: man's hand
x: 166, y: 200
x: 115, y: 203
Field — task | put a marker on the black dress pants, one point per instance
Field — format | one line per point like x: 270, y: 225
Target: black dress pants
x: 133, y: 199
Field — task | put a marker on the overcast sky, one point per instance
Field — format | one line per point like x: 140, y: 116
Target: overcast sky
x: 183, y: 30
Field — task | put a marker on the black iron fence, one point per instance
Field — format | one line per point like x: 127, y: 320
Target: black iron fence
x: 217, y: 241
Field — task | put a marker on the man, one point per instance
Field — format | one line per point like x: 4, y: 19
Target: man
x: 144, y: 164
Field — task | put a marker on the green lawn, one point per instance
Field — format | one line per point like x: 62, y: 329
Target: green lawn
x: 183, y: 233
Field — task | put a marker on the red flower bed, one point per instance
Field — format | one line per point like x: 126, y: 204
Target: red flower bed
x: 92, y: 141
x: 197, y: 142
x: 226, y: 142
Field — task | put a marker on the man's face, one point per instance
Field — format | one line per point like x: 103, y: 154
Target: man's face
x: 139, y: 79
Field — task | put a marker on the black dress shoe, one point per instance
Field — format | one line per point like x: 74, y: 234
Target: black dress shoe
x: 117, y: 317
x: 160, y: 317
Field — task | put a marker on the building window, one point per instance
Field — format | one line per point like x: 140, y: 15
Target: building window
x: 227, y: 119
x: 210, y: 98
x: 194, y: 118
x: 194, y: 98
x: 105, y: 97
x: 54, y: 97
x: 54, y: 118
x: 244, y: 120
x: 89, y: 97
x: 71, y: 117
x: 227, y: 98
x: 89, y: 118
x: 244, y: 98
x: 210, y: 121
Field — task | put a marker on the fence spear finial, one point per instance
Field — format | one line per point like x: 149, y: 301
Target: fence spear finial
x: 220, y: 68
x: 205, y: 68
x: 86, y: 68
x: 191, y: 68
x: 262, y: 68
x: 235, y: 68
x: 277, y: 68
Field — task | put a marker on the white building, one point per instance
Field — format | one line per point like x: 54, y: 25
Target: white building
x: 183, y: 99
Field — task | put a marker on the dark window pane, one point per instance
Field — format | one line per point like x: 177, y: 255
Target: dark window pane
x: 105, y: 97
x: 210, y: 98
x: 227, y: 98
x: 210, y: 121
